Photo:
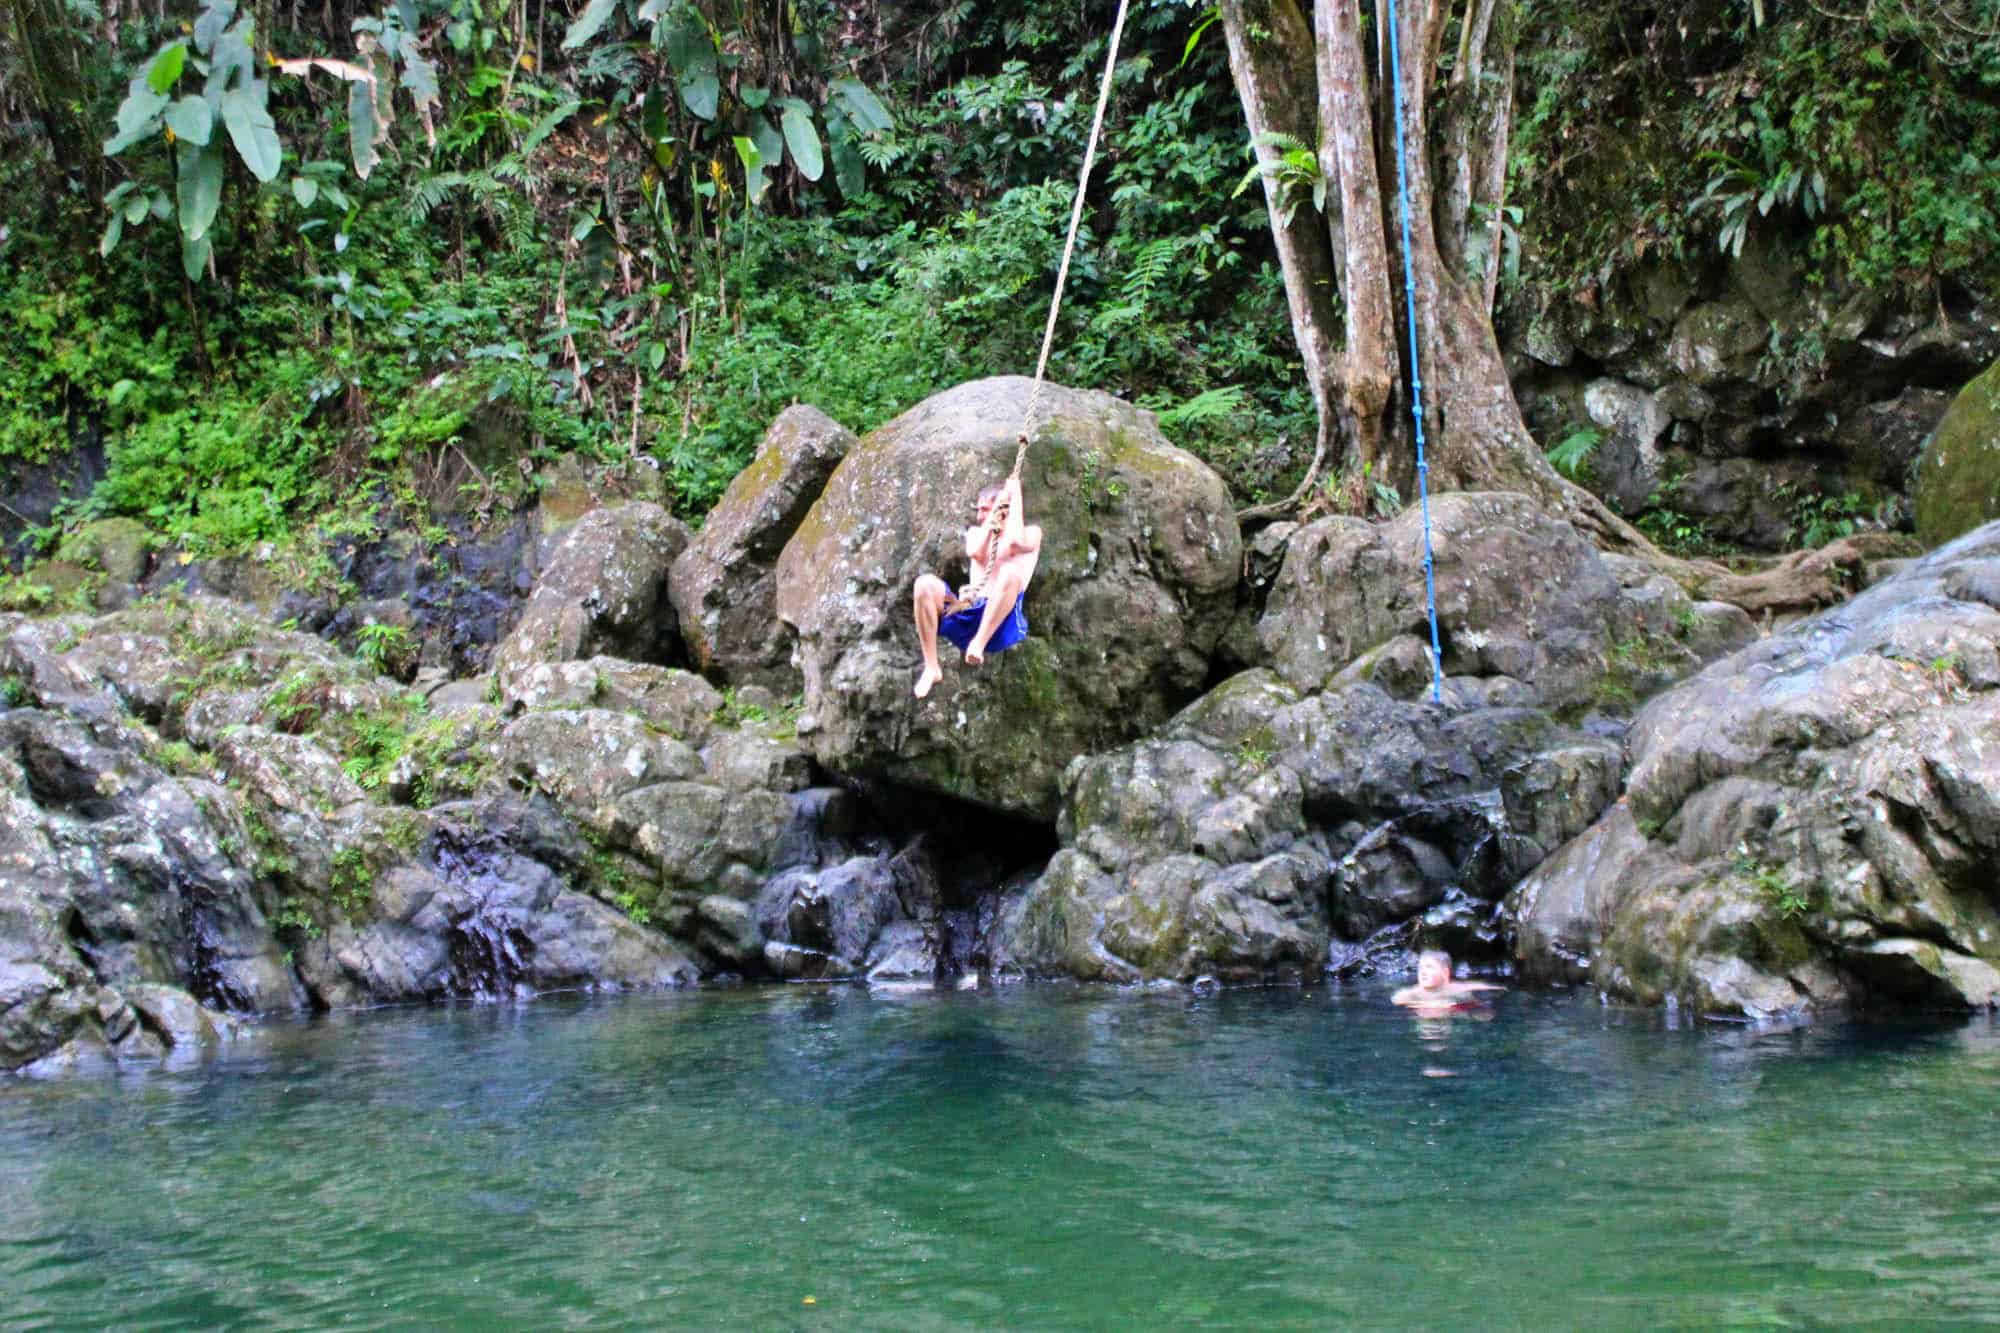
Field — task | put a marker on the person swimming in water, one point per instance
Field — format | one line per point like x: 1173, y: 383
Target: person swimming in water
x: 1436, y: 992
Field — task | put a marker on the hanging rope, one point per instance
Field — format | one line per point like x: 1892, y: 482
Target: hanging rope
x: 1028, y: 422
x: 1416, y: 375
x: 997, y: 519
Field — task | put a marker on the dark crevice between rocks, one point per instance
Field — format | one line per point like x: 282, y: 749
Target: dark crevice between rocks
x: 971, y: 854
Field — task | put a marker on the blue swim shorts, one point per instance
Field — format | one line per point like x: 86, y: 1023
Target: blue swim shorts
x: 961, y: 627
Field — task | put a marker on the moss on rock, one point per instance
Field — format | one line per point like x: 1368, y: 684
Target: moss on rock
x: 1958, y: 474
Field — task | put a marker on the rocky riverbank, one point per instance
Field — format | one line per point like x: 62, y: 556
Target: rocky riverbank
x: 673, y: 757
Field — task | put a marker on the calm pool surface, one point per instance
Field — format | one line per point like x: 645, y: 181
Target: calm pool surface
x: 1037, y: 1157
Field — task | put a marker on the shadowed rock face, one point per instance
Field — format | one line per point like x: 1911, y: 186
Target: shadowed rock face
x: 1258, y: 825
x: 1813, y: 821
x: 1139, y: 566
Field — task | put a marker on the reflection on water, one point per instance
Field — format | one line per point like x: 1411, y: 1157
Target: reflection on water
x: 1042, y: 1157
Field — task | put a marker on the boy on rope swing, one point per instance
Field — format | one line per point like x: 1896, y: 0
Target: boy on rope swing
x: 987, y: 614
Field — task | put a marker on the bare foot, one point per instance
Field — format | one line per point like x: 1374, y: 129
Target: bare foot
x: 930, y: 677
x: 973, y: 657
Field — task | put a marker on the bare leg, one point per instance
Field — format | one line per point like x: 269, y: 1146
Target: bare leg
x: 928, y: 599
x: 1001, y: 594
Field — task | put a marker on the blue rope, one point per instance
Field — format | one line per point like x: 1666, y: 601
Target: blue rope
x: 1416, y: 375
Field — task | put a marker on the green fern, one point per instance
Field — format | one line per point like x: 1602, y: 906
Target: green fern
x: 1208, y: 405
x: 1296, y: 169
x: 1571, y: 454
x: 1153, y: 262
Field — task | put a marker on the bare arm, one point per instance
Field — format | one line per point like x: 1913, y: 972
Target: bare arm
x: 1016, y: 538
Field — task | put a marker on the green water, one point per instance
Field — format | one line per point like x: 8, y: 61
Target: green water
x: 1039, y: 1157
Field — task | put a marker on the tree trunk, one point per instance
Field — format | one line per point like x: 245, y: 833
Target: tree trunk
x: 1270, y: 57
x: 1347, y: 156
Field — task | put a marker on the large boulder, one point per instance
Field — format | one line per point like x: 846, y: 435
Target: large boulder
x: 724, y: 584
x: 1810, y: 823
x: 1957, y: 484
x: 1260, y: 825
x: 604, y: 591
x: 1521, y: 595
x: 1140, y: 560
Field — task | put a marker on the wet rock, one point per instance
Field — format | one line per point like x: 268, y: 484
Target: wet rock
x: 903, y: 954
x: 724, y: 584
x: 177, y: 1017
x: 791, y: 962
x: 485, y: 911
x: 1808, y: 823
x: 603, y: 591
x: 1139, y: 567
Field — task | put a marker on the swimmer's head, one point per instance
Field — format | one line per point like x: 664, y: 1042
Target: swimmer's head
x: 1433, y: 969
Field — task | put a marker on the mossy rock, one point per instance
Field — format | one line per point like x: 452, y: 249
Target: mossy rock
x: 1958, y: 474
x: 117, y: 546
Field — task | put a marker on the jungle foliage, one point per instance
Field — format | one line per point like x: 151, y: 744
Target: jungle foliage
x: 291, y: 262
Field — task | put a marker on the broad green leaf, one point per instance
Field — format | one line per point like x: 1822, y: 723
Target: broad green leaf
x: 754, y: 182
x: 194, y: 258
x: 340, y: 242
x: 253, y: 131
x: 406, y: 10
x: 305, y: 189
x: 802, y: 139
x: 165, y: 71
x: 191, y: 120
x: 594, y: 16
x: 335, y: 196
x: 160, y: 207
x: 136, y: 209
x: 361, y: 127
x: 690, y: 48
x: 863, y: 107
x: 849, y: 172
x: 112, y: 231
x: 754, y: 98
x: 656, y: 355
x: 199, y: 188
x: 138, y: 118
x: 210, y: 24
x: 118, y: 192
x: 231, y: 54
x: 120, y: 391
x: 653, y: 10
x: 770, y: 143
x: 584, y: 227
x: 420, y: 80
x: 701, y: 94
